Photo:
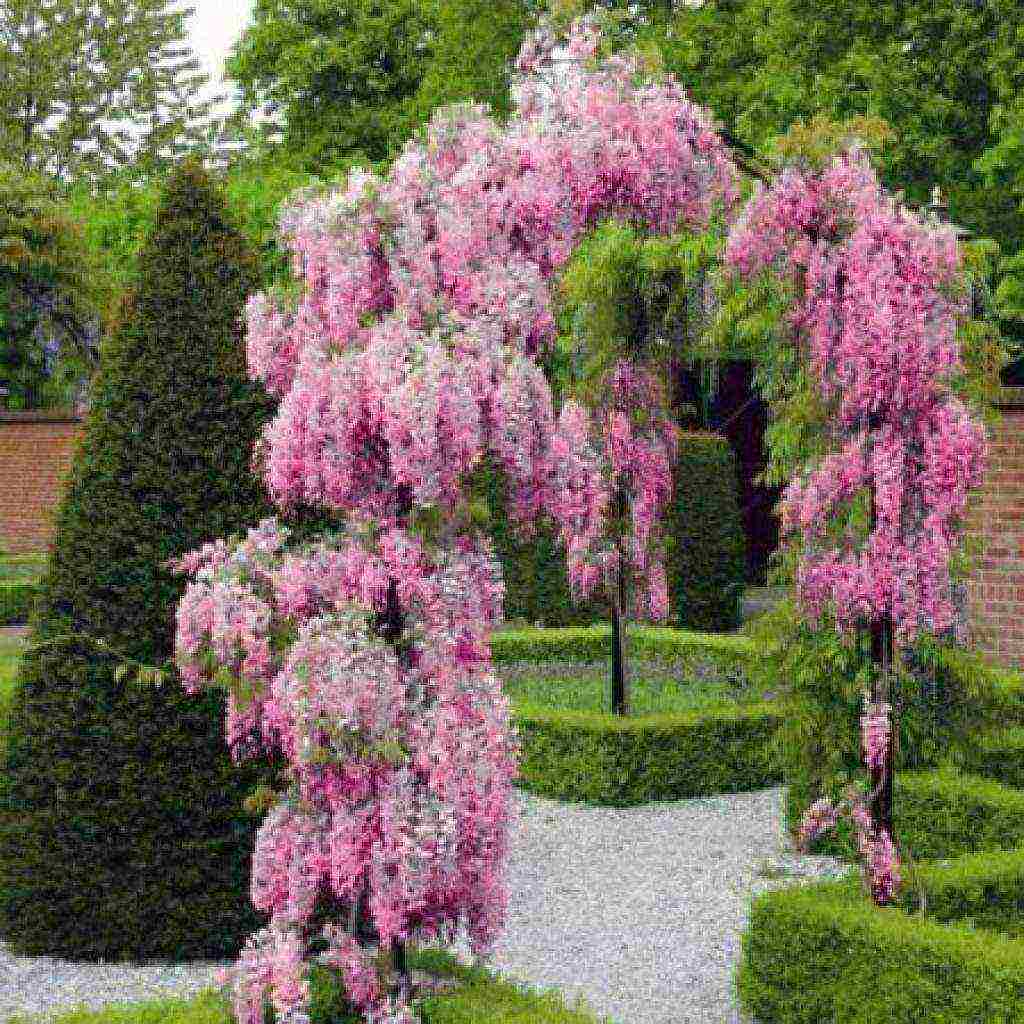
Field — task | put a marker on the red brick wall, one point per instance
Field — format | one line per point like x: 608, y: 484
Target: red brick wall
x: 36, y: 450
x: 996, y: 593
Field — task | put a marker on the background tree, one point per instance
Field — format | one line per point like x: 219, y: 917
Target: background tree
x: 73, y: 72
x: 341, y: 75
x: 942, y: 74
x: 353, y: 81
x: 54, y: 296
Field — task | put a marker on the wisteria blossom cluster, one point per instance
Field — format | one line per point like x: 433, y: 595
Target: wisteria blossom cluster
x: 874, y: 845
x: 640, y: 445
x: 410, y: 357
x: 402, y: 774
x: 877, y: 313
x: 880, y: 326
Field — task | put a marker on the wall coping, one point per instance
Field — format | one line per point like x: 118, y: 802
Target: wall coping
x: 1010, y: 398
x: 40, y: 416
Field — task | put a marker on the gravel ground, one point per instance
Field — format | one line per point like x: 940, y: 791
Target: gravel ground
x: 638, y: 909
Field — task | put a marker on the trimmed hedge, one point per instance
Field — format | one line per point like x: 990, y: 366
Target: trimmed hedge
x: 592, y: 643
x: 706, y: 563
x: 610, y: 761
x: 824, y: 952
x: 940, y: 812
x: 123, y: 804
x: 16, y: 600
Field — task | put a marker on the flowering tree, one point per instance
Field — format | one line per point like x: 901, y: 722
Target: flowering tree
x: 631, y: 298
x: 409, y: 357
x: 878, y: 298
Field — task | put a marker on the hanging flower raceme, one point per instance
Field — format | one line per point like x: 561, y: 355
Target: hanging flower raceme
x: 407, y: 358
x: 881, y: 329
x: 878, y: 325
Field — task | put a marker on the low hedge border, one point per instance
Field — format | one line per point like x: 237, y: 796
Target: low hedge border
x: 592, y: 643
x: 940, y: 812
x: 824, y: 952
x: 611, y: 761
x: 16, y: 600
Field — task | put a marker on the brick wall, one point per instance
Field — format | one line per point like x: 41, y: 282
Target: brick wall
x: 36, y: 451
x: 996, y: 593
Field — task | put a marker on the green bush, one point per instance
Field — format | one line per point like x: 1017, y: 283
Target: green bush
x: 613, y: 761
x: 824, y: 952
x: 937, y: 812
x: 707, y: 563
x: 706, y: 566
x: 592, y: 643
x: 950, y: 697
x: 534, y: 572
x: 16, y: 599
x: 123, y: 807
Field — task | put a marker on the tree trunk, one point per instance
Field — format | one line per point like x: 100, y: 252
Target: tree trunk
x: 620, y: 674
x: 882, y: 657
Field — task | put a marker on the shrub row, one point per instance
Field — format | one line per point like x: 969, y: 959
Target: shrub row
x: 941, y: 812
x: 594, y: 642
x: 611, y: 761
x: 824, y: 952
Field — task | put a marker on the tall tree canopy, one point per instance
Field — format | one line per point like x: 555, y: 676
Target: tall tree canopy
x: 354, y: 79
x: 72, y: 70
x: 943, y: 74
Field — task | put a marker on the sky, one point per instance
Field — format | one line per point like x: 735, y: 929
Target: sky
x: 213, y: 29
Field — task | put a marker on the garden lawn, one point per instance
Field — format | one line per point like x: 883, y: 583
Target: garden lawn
x: 22, y: 567
x: 477, y: 998
x: 662, y: 685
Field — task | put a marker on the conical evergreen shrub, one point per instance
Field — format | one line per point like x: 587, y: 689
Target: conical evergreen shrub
x: 122, y: 830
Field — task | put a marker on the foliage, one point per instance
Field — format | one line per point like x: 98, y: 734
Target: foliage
x: 943, y: 700
x: 472, y: 55
x: 116, y: 221
x: 109, y: 787
x: 69, y: 68
x: 533, y: 569
x: 352, y: 83
x: 609, y: 760
x: 815, y: 952
x: 53, y: 296
x: 707, y: 563
x: 935, y: 72
x: 943, y: 75
x: 732, y: 651
x: 16, y: 600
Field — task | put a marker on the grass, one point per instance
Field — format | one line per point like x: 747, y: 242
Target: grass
x: 662, y: 685
x: 22, y: 567
x: 10, y: 650
x: 477, y: 997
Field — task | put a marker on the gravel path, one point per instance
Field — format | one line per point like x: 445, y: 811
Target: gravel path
x: 638, y: 909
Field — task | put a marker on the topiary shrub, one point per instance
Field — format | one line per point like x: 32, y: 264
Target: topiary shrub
x: 124, y: 836
x: 706, y: 566
x: 535, y: 576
